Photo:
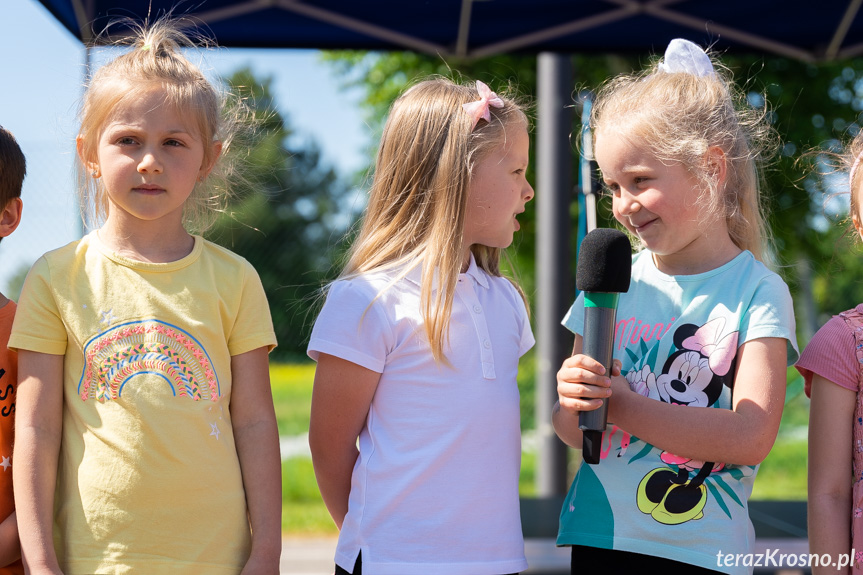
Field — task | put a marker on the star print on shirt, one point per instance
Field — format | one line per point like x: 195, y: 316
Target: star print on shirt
x: 5, y: 464
x: 215, y: 430
x: 108, y: 317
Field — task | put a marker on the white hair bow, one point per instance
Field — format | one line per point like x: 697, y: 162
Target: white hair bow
x: 685, y: 56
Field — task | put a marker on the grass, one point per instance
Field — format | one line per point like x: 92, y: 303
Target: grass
x: 292, y: 396
x: 303, y: 510
x: 782, y: 474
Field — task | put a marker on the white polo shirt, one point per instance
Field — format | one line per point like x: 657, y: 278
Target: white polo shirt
x: 435, y: 487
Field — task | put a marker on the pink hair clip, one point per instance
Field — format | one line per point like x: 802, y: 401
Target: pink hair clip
x: 479, y: 109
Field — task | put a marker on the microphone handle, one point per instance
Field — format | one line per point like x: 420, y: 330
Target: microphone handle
x: 598, y: 343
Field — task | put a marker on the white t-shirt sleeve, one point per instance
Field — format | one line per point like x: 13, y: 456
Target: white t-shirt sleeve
x: 527, y: 340
x: 353, y: 326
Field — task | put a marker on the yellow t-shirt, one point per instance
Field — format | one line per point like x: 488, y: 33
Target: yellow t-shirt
x: 148, y: 476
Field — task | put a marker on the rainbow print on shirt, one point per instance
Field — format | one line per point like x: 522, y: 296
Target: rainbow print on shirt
x: 115, y: 356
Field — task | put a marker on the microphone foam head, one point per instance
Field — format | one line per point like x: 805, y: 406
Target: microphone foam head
x: 604, y: 262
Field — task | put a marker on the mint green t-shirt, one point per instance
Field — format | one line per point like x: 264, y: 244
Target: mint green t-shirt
x: 677, y: 338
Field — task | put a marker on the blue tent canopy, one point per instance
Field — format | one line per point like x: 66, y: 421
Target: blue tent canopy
x: 805, y: 31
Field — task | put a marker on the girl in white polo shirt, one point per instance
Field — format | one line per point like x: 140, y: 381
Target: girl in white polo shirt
x: 418, y: 345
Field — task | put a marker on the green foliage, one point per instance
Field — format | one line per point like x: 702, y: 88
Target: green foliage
x: 527, y: 389
x: 303, y: 509
x: 782, y: 474
x: 287, y: 218
x: 816, y: 109
x: 527, y: 479
x: 837, y: 285
x: 292, y: 396
x: 299, y: 484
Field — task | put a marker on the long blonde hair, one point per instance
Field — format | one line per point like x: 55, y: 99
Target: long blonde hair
x: 851, y: 161
x: 418, y: 197
x: 154, y: 59
x: 680, y: 116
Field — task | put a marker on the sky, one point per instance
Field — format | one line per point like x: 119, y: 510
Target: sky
x: 42, y: 71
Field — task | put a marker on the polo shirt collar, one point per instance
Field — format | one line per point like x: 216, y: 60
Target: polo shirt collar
x: 473, y: 270
x: 476, y: 273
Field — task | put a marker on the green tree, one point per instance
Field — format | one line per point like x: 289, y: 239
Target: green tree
x: 815, y: 108
x: 286, y: 217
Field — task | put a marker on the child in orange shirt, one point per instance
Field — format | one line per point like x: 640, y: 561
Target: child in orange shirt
x: 12, y: 170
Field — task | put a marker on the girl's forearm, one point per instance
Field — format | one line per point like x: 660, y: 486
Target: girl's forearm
x: 830, y: 529
x: 566, y: 426
x: 260, y: 464
x: 341, y: 399
x: 830, y: 469
x: 705, y: 434
x: 701, y: 433
x: 35, y: 473
x: 256, y: 436
x: 333, y: 470
x: 10, y: 545
x: 742, y: 435
x: 38, y: 432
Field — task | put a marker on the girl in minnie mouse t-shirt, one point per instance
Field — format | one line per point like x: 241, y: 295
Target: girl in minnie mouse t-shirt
x: 703, y: 338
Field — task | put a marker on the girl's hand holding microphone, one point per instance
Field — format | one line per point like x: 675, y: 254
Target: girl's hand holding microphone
x: 582, y: 383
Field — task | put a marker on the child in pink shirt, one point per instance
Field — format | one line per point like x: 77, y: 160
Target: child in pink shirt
x: 832, y: 365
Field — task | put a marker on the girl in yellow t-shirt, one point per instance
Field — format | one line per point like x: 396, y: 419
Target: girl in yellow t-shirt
x: 146, y: 438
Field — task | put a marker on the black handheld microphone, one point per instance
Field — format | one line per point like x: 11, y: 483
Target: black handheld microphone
x: 603, y: 272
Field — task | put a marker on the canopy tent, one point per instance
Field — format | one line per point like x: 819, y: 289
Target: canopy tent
x: 477, y: 28
x: 804, y: 31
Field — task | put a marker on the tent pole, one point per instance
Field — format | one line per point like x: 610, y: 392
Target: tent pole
x: 553, y: 276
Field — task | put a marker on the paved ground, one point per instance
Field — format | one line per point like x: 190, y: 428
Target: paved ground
x: 314, y: 556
